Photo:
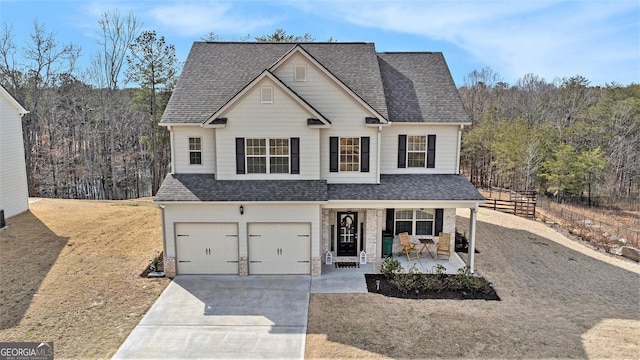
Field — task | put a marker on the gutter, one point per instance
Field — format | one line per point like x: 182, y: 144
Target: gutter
x: 458, y: 148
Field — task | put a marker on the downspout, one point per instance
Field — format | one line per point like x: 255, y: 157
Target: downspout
x: 173, y: 149
x: 164, y: 233
x: 378, y: 156
x: 458, y: 149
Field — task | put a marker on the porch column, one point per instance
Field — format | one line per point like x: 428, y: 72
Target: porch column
x: 472, y: 238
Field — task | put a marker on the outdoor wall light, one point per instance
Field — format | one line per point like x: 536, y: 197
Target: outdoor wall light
x: 241, y: 209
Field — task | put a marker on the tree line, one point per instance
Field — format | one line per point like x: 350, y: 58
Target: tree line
x: 86, y: 135
x: 565, y: 137
x: 89, y: 135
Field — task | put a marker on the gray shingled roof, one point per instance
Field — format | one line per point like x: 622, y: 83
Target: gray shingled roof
x: 419, y: 88
x: 408, y: 187
x: 204, y: 187
x: 214, y: 72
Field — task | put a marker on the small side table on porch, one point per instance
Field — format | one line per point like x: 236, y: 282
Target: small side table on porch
x: 425, y: 245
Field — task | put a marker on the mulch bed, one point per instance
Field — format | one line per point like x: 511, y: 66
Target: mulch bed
x: 389, y: 289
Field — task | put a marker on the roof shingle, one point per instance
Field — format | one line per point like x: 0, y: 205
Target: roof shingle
x: 408, y: 187
x: 427, y: 187
x: 204, y: 187
x: 419, y: 88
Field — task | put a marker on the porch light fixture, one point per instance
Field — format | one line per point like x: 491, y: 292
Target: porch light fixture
x: 241, y: 209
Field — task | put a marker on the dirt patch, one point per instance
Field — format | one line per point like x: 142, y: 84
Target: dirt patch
x: 70, y: 273
x: 559, y: 300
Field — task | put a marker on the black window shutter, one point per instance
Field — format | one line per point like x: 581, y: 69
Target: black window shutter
x: 439, y: 218
x: 390, y: 221
x: 333, y: 154
x: 431, y: 151
x: 239, y: 155
x: 295, y: 155
x: 402, y: 151
x: 364, y: 154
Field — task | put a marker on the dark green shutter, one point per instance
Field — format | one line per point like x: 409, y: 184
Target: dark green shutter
x: 364, y: 154
x: 439, y: 220
x: 295, y: 155
x: 402, y: 151
x: 333, y: 154
x: 240, y: 156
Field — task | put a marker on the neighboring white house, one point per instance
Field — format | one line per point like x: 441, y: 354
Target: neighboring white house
x: 282, y: 153
x: 14, y: 194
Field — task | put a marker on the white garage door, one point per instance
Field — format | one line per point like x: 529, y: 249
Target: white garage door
x: 279, y: 248
x: 207, y: 248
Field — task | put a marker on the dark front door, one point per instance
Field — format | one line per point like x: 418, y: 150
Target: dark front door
x: 347, y: 233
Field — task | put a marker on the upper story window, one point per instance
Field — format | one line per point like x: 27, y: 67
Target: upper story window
x: 349, y: 154
x: 266, y: 95
x: 268, y: 156
x: 417, y: 151
x: 299, y: 73
x: 195, y: 151
x: 271, y: 159
x: 415, y: 221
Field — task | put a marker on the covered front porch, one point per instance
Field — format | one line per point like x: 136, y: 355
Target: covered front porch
x: 358, y: 220
x: 361, y: 235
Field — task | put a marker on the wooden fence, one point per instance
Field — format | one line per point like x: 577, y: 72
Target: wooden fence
x: 516, y: 207
x: 520, y: 203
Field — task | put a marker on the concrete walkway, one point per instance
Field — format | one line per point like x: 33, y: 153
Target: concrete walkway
x: 224, y: 317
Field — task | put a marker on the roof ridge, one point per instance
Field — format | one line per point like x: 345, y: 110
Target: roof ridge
x: 410, y: 52
x: 287, y: 42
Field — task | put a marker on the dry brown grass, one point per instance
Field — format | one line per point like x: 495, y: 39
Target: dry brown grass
x: 70, y: 274
x: 559, y: 300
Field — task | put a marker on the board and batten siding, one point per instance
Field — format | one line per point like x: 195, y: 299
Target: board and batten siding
x: 346, y: 114
x: 180, y: 148
x: 284, y: 118
x: 14, y: 193
x: 229, y: 213
x: 446, y: 148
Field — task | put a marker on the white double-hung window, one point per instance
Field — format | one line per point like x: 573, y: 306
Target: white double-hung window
x: 415, y: 221
x: 267, y: 159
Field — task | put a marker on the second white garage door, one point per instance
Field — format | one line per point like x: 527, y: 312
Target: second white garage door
x: 207, y: 248
x: 279, y: 248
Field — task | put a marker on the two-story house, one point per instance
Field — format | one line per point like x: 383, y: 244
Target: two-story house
x: 284, y: 152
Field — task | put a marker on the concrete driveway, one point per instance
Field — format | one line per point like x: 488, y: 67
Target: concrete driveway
x: 224, y: 317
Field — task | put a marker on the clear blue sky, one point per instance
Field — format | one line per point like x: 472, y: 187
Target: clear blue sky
x: 597, y: 39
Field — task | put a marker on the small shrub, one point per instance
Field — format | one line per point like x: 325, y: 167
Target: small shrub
x: 409, y: 281
x: 439, y: 270
x: 390, y: 267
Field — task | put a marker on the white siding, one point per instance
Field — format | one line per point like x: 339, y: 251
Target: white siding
x: 446, y: 148
x: 284, y: 118
x: 180, y: 142
x: 265, y: 213
x: 347, y: 116
x: 14, y: 195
